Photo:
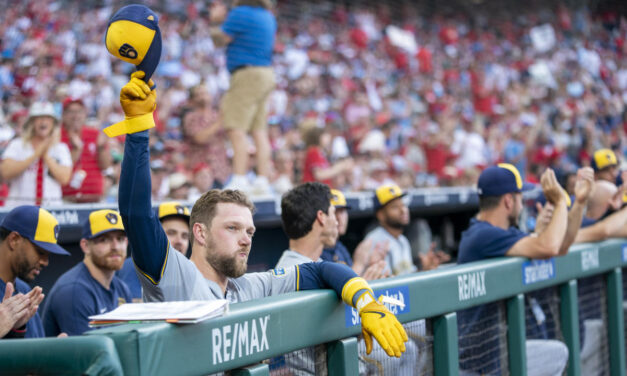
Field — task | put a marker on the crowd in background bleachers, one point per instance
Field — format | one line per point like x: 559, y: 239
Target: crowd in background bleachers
x: 477, y: 90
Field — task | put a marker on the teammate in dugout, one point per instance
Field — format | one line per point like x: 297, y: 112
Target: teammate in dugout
x: 222, y: 229
x: 91, y: 287
x: 494, y: 233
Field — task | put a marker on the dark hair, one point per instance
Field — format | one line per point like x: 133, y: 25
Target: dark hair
x: 312, y: 136
x: 204, y: 209
x: 489, y: 202
x: 299, y: 208
x: 4, y: 233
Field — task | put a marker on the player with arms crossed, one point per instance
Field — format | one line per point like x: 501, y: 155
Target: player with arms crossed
x: 222, y: 229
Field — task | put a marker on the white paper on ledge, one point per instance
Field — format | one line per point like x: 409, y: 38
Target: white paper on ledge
x: 191, y: 311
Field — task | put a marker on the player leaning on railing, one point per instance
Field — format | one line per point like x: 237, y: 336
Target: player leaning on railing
x: 222, y: 229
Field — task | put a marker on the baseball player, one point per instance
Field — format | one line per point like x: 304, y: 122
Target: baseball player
x: 174, y: 218
x: 222, y: 229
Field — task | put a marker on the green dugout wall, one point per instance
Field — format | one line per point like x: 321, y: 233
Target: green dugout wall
x: 268, y: 328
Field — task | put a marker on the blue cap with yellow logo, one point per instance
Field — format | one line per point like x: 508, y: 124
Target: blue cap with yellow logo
x: 603, y: 158
x: 100, y: 222
x: 133, y: 36
x: 37, y: 225
x: 338, y: 200
x: 501, y: 179
x: 387, y: 193
x: 173, y: 209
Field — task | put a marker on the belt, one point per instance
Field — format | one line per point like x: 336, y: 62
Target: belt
x: 240, y: 67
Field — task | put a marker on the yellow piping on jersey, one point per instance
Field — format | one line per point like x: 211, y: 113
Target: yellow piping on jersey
x: 165, y: 262
x: 297, y: 278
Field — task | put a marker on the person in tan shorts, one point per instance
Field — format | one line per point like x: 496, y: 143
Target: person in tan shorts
x: 248, y: 30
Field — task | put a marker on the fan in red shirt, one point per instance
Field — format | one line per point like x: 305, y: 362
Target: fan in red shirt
x: 317, y: 166
x: 90, y: 154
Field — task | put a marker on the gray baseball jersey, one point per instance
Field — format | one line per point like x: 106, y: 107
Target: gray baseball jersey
x: 181, y: 280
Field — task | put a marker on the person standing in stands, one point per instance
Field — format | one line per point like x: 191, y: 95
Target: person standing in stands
x: 248, y: 31
x: 90, y: 287
x: 494, y: 233
x: 37, y: 165
x: 90, y: 154
x: 28, y: 235
x: 174, y: 219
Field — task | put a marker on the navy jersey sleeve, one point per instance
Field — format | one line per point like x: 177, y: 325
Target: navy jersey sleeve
x: 68, y: 310
x: 147, y: 240
x: 317, y: 275
x: 487, y: 241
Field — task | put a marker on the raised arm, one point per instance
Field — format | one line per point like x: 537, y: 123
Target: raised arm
x: 549, y: 242
x: 583, y: 188
x: 148, y: 242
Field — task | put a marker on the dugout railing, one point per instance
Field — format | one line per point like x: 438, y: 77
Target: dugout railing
x: 255, y: 332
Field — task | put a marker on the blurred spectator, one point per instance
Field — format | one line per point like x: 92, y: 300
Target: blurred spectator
x: 90, y: 154
x: 248, y: 32
x: 203, y: 180
x: 284, y: 169
x: 37, y: 164
x: 317, y: 166
x: 203, y: 133
x: 178, y: 186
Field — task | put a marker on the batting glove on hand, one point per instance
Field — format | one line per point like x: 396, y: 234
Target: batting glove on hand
x: 138, y: 102
x: 378, y: 322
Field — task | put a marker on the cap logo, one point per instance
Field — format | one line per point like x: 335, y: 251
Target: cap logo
x: 151, y: 18
x: 112, y: 218
x: 56, y: 232
x: 126, y: 50
x: 180, y: 209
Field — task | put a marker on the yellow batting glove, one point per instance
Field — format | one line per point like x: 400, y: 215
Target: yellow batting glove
x: 376, y: 320
x: 138, y: 102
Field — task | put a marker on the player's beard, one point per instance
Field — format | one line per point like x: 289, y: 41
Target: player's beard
x: 25, y: 269
x: 393, y: 223
x: 229, y: 266
x: 105, y: 263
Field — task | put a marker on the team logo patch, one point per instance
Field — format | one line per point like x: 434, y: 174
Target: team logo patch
x: 278, y: 272
x: 56, y: 232
x: 180, y: 209
x: 112, y: 218
x: 126, y: 50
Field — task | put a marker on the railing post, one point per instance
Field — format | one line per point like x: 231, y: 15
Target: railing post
x: 569, y: 313
x: 254, y: 370
x: 516, y: 335
x: 615, y: 325
x: 445, y: 346
x: 342, y: 357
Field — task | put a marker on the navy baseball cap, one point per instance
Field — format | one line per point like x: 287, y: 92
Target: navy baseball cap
x: 133, y: 35
x: 100, y: 222
x: 37, y: 225
x: 501, y: 179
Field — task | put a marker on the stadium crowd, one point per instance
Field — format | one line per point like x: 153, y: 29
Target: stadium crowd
x: 477, y: 89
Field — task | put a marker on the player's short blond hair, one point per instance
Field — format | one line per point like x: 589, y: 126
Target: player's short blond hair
x: 204, y: 209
